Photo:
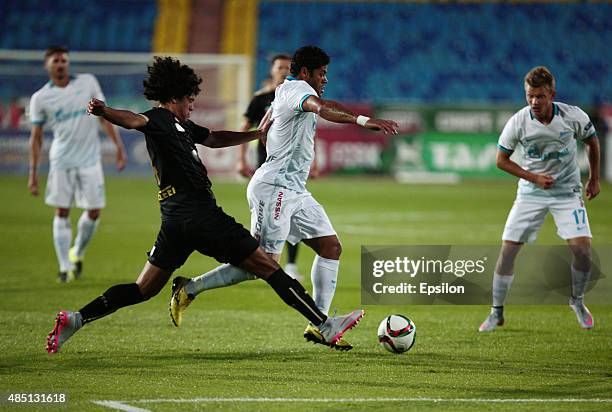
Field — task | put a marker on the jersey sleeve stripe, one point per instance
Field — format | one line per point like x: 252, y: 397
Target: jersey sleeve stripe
x: 306, y: 96
x: 37, y: 122
x: 594, y: 134
x: 503, y: 149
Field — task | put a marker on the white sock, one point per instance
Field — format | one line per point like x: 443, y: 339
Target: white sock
x: 86, y: 229
x: 501, y: 285
x: 219, y: 277
x: 579, y: 283
x: 324, y: 274
x: 62, y: 236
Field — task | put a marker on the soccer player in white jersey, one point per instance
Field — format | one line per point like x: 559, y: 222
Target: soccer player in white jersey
x: 547, y: 133
x: 75, y: 168
x: 282, y: 209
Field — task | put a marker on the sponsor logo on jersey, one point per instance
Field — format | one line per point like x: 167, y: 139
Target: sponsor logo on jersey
x: 61, y: 116
x: 278, y: 206
x: 165, y: 193
x: 534, y: 152
x: 566, y: 134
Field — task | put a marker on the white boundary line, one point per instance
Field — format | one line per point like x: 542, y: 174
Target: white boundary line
x: 123, y: 405
x: 120, y: 406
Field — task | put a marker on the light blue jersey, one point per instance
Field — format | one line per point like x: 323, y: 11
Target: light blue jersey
x: 290, y: 142
x: 76, y: 141
x: 548, y: 149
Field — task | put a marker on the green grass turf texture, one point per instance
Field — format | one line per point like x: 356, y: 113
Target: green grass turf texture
x: 244, y: 342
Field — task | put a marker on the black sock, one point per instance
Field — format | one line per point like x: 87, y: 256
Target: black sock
x: 294, y: 295
x: 114, y: 298
x: 291, y: 253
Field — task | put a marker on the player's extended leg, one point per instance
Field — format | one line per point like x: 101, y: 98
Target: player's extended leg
x: 287, y: 288
x: 88, y: 223
x: 293, y: 294
x: 62, y: 236
x: 502, y: 279
x: 581, y: 273
x: 151, y: 280
x: 291, y: 266
x: 185, y: 290
x: 324, y: 276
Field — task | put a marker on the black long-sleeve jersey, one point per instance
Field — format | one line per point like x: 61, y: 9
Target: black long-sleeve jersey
x: 184, y: 186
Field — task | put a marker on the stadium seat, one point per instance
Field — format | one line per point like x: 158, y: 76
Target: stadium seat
x: 432, y: 52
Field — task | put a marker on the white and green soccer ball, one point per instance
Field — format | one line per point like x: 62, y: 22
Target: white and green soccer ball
x: 397, y: 333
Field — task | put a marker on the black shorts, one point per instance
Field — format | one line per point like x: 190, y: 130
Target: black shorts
x: 216, y: 235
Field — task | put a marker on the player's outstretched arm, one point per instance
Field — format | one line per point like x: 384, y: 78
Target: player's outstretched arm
x: 337, y: 113
x: 593, y: 149
x: 123, y: 118
x: 504, y: 163
x: 224, y: 138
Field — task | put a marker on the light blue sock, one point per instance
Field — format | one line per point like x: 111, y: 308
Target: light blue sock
x: 62, y: 236
x: 324, y: 275
x: 86, y: 229
x: 219, y: 277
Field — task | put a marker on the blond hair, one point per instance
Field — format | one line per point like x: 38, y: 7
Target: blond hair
x: 540, y: 77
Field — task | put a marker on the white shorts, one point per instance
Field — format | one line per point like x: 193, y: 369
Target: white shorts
x: 83, y: 185
x: 528, y: 214
x: 279, y: 215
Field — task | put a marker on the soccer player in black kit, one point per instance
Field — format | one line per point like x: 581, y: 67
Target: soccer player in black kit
x: 190, y: 217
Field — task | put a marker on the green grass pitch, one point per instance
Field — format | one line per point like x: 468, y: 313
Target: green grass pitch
x: 241, y: 343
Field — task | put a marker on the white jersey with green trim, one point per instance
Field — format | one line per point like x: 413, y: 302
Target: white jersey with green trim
x: 290, y: 141
x: 548, y: 149
x: 76, y: 141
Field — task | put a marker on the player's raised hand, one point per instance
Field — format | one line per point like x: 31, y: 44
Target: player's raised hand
x: 592, y: 188
x: 544, y: 181
x: 96, y: 107
x: 385, y: 126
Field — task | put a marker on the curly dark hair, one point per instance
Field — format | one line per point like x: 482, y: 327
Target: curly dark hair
x: 310, y: 57
x: 168, y: 79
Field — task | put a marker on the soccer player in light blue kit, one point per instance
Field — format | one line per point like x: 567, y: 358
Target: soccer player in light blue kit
x: 282, y: 209
x: 75, y: 168
x: 546, y: 132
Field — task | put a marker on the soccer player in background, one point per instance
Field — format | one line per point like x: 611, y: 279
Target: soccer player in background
x: 190, y: 217
x: 282, y: 209
x: 549, y: 182
x: 75, y: 167
x: 259, y: 105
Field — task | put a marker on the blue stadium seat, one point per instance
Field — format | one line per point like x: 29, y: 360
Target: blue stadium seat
x: 432, y: 52
x: 111, y: 25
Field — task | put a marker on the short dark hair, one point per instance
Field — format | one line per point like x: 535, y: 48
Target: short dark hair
x: 281, y: 56
x: 51, y: 50
x: 540, y: 76
x: 168, y: 79
x: 310, y: 57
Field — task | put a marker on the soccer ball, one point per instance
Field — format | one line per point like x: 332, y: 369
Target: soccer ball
x: 397, y: 333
